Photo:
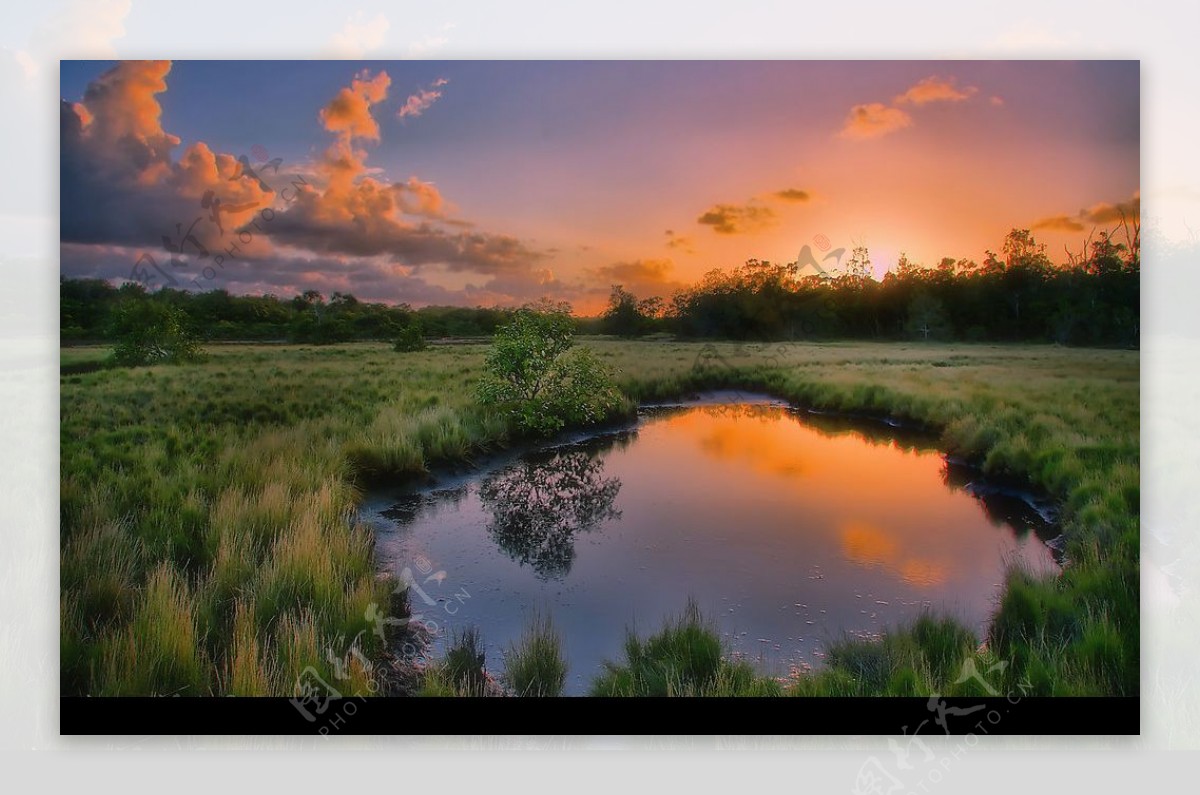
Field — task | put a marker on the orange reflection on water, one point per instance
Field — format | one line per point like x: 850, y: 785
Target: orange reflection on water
x: 903, y: 521
x: 869, y: 545
x: 844, y: 465
x: 755, y: 444
x: 923, y: 573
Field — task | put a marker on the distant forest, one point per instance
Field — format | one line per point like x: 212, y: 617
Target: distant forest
x: 1018, y: 295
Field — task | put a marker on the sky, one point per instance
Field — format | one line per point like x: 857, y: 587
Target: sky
x: 484, y: 183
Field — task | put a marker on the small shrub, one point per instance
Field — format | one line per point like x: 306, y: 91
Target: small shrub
x: 411, y: 338
x: 151, y: 332
x: 533, y: 375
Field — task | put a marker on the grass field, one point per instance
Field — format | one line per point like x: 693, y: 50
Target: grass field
x: 208, y: 546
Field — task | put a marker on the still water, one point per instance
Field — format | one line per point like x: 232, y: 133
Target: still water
x: 789, y: 530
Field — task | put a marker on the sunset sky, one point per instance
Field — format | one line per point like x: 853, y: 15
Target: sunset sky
x: 480, y: 183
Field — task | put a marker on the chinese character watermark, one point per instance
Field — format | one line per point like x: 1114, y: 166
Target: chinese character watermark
x: 913, y: 758
x: 330, y: 704
x: 185, y: 246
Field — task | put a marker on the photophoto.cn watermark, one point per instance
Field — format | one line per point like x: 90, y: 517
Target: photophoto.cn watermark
x: 330, y: 705
x: 914, y: 766
x: 183, y: 245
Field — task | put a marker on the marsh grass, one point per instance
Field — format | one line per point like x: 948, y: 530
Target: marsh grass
x: 535, y: 665
x: 684, y: 658
x: 465, y: 663
x: 208, y: 543
x: 923, y: 658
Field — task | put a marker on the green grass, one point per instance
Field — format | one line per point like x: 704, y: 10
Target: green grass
x: 684, y: 658
x: 216, y: 498
x: 84, y: 353
x: 919, y: 660
x: 463, y: 670
x: 535, y: 665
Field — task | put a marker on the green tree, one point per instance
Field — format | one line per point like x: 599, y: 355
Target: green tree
x: 411, y: 337
x: 533, y: 374
x: 859, y: 266
x: 151, y: 332
x: 926, y: 318
x: 623, y: 316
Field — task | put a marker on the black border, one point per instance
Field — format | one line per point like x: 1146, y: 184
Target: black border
x: 1110, y: 715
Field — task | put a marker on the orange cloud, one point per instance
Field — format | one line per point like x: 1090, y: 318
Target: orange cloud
x: 121, y: 105
x: 792, y: 195
x: 348, y: 116
x: 421, y: 198
x: 1059, y: 223
x: 418, y: 103
x: 656, y: 271
x: 935, y: 89
x: 874, y: 120
x: 123, y: 194
x: 644, y: 278
x: 1102, y: 214
x: 357, y: 215
x: 349, y: 113
x: 679, y: 242
x: 1105, y: 213
x: 120, y: 183
x: 738, y: 219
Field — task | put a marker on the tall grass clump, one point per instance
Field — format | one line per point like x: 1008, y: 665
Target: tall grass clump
x: 923, y: 658
x: 684, y: 658
x: 466, y: 660
x: 159, y: 653
x: 535, y: 665
x: 463, y: 670
x: 250, y: 668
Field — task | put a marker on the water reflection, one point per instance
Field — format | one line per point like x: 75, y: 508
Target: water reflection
x: 870, y: 545
x: 408, y: 511
x: 1004, y: 506
x: 538, y: 506
x: 789, y: 529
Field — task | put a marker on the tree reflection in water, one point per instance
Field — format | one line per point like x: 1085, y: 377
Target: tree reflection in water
x: 538, y: 506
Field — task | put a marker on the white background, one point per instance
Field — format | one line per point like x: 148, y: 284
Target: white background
x: 34, y: 36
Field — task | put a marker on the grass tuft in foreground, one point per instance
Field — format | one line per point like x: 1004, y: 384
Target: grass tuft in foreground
x: 535, y: 666
x: 684, y: 658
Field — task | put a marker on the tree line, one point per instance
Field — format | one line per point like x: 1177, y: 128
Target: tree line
x: 92, y: 310
x: 1016, y: 295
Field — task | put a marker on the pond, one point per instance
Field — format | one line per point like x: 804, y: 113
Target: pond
x: 789, y: 530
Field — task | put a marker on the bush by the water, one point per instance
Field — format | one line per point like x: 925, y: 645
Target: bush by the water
x: 535, y: 375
